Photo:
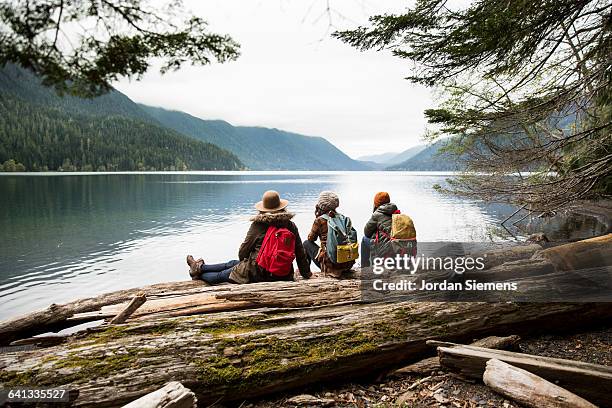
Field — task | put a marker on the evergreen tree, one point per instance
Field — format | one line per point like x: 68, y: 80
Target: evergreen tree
x: 526, y: 86
x: 80, y: 47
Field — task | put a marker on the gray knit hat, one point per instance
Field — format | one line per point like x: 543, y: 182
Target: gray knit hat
x: 328, y: 200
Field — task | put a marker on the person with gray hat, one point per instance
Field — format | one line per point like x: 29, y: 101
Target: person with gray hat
x: 269, y: 231
x: 322, y: 257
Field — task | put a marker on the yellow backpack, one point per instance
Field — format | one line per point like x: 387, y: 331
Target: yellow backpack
x: 402, y: 227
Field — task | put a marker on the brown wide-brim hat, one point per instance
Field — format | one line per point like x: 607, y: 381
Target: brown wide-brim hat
x: 271, y: 201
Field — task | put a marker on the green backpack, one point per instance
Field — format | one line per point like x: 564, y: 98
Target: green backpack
x: 342, y: 244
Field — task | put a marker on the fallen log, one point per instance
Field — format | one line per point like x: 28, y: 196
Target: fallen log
x: 171, y: 395
x: 250, y: 353
x: 180, y: 298
x: 529, y: 389
x: 430, y: 364
x: 589, y: 381
x: 500, y: 256
x: 135, y: 303
x: 588, y: 253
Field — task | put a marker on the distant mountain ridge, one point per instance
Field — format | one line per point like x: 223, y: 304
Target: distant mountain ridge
x: 429, y: 159
x: 389, y: 159
x: 259, y: 148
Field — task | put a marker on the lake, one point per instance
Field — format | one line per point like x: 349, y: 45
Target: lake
x: 66, y: 236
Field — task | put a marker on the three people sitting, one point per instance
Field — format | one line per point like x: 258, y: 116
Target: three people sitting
x: 273, y: 242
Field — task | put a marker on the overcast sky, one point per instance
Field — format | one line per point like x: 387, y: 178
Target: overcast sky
x: 293, y: 76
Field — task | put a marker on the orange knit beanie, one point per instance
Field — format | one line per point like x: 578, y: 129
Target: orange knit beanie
x: 381, y: 198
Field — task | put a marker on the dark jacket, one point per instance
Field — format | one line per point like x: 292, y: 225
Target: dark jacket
x: 247, y: 271
x: 319, y: 230
x: 380, y: 221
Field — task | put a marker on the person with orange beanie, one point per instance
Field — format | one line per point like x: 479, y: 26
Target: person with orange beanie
x: 378, y: 228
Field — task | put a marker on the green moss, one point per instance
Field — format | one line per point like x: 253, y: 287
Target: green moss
x: 111, y: 333
x: 238, y: 326
x: 14, y: 379
x: 257, y: 357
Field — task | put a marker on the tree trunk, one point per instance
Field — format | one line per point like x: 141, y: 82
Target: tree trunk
x: 250, y: 353
x: 590, y: 381
x: 529, y: 389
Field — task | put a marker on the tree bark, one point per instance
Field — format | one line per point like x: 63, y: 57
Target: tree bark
x: 589, y: 381
x: 529, y: 389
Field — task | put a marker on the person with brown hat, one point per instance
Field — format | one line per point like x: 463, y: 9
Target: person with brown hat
x: 270, y: 230
x: 325, y: 209
x: 378, y: 227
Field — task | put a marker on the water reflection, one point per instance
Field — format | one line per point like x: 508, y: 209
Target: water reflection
x: 69, y: 236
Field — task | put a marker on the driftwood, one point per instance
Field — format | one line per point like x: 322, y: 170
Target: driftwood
x: 136, y: 302
x: 180, y: 299
x: 589, y: 253
x: 430, y: 364
x: 529, y: 389
x: 171, y: 395
x: 589, y: 381
x: 498, y: 257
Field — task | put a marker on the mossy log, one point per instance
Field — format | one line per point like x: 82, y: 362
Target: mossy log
x: 250, y: 353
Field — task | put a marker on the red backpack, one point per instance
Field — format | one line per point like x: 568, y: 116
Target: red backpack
x: 277, y: 251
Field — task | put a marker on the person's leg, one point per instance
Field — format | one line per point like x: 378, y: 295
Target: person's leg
x: 312, y: 250
x: 218, y: 267
x: 366, y: 246
x: 214, y: 278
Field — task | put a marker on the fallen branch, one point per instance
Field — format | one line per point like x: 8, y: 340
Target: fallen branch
x: 529, y: 389
x: 136, y: 302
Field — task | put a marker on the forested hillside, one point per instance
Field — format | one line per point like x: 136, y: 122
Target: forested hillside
x: 260, y: 148
x: 42, y: 131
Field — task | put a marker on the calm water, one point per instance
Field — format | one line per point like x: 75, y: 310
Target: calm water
x: 65, y: 236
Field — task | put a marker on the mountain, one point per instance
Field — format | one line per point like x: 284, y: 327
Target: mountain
x: 389, y: 159
x: 406, y: 155
x: 378, y: 158
x: 428, y: 159
x: 260, y: 148
x: 41, y: 130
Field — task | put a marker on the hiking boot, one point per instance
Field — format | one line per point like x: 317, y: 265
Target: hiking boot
x: 195, y: 267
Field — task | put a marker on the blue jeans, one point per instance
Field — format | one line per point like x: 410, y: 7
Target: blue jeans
x: 217, y: 273
x: 366, y: 246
